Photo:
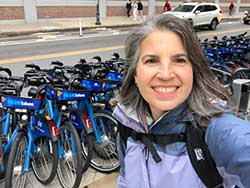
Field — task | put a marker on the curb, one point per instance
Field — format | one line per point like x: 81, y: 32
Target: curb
x: 230, y: 19
x: 22, y: 33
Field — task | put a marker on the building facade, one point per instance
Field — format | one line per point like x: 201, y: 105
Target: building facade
x: 32, y: 11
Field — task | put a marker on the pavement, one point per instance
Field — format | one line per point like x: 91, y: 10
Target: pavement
x: 86, y: 24
x: 92, y: 178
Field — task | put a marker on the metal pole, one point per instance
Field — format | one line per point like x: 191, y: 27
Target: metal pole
x: 97, y: 14
x: 237, y: 10
x: 80, y: 26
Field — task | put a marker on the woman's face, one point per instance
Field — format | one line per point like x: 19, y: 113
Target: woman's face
x: 164, y: 74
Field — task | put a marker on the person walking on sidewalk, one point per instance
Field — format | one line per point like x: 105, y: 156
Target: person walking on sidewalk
x: 140, y: 9
x: 168, y: 90
x: 134, y: 9
x: 167, y: 6
x: 231, y: 8
x: 128, y: 7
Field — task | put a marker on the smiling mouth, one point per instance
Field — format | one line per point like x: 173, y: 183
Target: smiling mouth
x: 165, y: 89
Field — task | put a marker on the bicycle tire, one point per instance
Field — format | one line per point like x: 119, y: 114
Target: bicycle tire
x: 16, y: 155
x: 86, y: 143
x: 105, y: 155
x: 45, y: 161
x: 69, y: 171
x: 2, y: 157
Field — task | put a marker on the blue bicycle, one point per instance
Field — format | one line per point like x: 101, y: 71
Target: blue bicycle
x: 33, y: 141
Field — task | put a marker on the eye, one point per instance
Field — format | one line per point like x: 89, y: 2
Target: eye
x: 180, y: 60
x: 150, y: 61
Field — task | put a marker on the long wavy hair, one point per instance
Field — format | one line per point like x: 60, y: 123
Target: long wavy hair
x: 205, y: 89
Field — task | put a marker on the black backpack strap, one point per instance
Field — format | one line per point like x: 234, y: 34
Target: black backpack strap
x: 148, y: 139
x: 124, y: 132
x: 200, y: 157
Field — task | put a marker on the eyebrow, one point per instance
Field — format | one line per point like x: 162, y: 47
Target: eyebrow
x: 150, y: 56
x: 180, y: 55
x: 157, y: 57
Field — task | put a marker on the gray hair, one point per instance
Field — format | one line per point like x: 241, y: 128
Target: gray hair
x: 205, y: 89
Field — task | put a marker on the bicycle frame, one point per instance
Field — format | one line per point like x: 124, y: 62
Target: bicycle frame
x: 37, y: 125
x: 60, y: 95
x: 6, y: 145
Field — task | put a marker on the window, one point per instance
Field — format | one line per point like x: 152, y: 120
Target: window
x: 201, y: 8
x: 207, y: 8
x: 184, y: 8
x: 212, y: 8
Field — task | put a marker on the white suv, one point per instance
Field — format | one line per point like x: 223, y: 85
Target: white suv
x: 198, y: 13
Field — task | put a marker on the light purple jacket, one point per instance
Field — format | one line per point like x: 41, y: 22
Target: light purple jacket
x: 227, y: 137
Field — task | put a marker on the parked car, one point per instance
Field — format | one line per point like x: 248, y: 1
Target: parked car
x: 198, y: 13
x: 246, y: 17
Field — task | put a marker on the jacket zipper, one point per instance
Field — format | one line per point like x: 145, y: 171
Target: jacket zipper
x: 147, y: 154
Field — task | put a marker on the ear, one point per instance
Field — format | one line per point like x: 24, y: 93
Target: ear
x: 135, y: 77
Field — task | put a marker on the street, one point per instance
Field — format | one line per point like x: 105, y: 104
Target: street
x: 70, y: 48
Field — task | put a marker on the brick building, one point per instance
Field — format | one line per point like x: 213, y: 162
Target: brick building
x: 32, y: 11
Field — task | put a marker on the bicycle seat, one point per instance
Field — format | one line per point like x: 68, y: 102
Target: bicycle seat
x: 33, y: 92
x: 36, y: 81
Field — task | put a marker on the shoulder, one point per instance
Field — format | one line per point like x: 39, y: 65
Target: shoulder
x: 226, y: 135
x: 127, y: 116
x: 228, y: 140
x: 227, y: 122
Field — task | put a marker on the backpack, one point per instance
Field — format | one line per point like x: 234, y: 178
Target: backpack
x: 198, y: 152
x: 231, y: 6
x: 128, y: 5
x: 140, y: 6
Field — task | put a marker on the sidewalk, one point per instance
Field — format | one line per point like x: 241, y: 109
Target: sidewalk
x: 8, y: 30
x: 90, y: 179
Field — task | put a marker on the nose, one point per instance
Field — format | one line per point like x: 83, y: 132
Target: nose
x: 165, y: 71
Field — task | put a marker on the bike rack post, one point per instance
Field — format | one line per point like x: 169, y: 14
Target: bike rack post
x: 80, y: 27
x: 241, y: 96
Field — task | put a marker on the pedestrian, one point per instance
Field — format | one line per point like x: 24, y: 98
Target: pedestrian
x: 128, y: 7
x: 167, y: 6
x: 169, y: 90
x: 140, y: 9
x: 134, y: 9
x: 231, y: 8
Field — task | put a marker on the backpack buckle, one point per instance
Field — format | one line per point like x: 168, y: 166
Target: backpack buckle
x: 135, y: 135
x: 219, y: 186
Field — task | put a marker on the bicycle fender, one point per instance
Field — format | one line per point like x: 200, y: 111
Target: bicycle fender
x: 79, y: 119
x: 45, y: 126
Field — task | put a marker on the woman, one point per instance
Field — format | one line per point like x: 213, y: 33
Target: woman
x: 167, y: 6
x: 231, y: 7
x: 134, y: 9
x: 128, y: 7
x: 168, y: 84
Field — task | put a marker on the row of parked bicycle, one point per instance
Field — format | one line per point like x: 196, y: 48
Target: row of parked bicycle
x: 58, y: 121
x: 229, y: 57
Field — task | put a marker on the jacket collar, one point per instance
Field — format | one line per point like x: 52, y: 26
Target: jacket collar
x: 179, y: 114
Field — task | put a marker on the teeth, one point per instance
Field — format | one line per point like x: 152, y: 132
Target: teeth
x: 165, y: 89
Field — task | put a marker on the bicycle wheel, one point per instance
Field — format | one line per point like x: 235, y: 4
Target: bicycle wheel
x: 87, y: 155
x: 105, y: 156
x: 15, y: 177
x: 2, y: 157
x: 45, y: 160
x: 69, y: 169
